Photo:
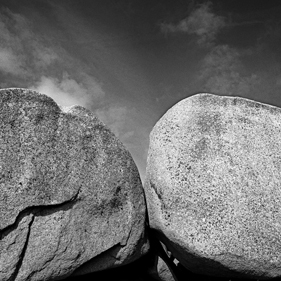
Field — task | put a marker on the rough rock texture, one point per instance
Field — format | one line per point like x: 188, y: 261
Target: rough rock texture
x: 71, y: 200
x: 213, y: 185
x: 162, y: 268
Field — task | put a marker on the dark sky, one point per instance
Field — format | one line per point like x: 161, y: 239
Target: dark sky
x: 129, y: 61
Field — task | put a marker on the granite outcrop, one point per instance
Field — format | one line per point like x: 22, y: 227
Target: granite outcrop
x: 72, y: 205
x: 213, y: 185
x: 71, y: 199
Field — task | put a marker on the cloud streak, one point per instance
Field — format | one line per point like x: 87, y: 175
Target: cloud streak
x: 201, y: 22
x: 223, y: 73
x: 26, y: 55
x: 68, y: 91
x: 20, y: 48
x: 114, y: 117
x: 9, y: 63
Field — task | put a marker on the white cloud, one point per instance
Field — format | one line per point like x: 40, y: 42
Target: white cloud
x: 201, y: 22
x: 68, y: 91
x: 34, y: 58
x: 53, y: 88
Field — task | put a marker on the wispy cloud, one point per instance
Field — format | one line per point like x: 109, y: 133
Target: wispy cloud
x: 201, y: 22
x: 44, y: 65
x: 68, y: 91
x: 9, y: 62
x: 115, y: 117
x: 20, y: 48
x: 223, y: 73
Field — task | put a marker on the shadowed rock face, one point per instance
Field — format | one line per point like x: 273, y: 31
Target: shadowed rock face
x: 71, y: 200
x: 213, y: 185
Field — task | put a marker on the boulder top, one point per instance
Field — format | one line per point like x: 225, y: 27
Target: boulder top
x: 49, y: 152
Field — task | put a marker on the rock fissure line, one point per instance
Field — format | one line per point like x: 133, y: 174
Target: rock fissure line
x: 159, y: 195
x: 21, y: 257
x: 37, y: 209
x: 125, y: 239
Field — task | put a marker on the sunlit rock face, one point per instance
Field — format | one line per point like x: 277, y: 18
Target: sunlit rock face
x: 71, y: 200
x: 213, y: 185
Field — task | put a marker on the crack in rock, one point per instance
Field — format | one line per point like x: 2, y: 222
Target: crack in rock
x: 18, y: 266
x: 35, y: 210
x: 32, y: 211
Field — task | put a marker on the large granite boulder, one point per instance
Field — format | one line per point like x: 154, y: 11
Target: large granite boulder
x: 71, y: 199
x: 213, y: 185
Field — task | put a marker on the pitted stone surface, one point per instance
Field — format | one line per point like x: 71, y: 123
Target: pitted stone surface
x: 71, y: 199
x: 213, y: 185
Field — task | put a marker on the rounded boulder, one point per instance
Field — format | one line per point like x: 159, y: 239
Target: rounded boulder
x: 71, y: 199
x: 213, y: 185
